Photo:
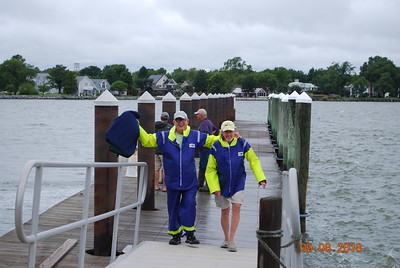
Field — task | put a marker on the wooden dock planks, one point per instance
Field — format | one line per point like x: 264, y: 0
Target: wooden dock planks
x: 154, y: 223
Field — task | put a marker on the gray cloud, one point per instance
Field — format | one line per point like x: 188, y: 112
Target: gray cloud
x: 199, y: 34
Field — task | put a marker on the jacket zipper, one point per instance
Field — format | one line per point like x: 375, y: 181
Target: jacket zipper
x: 180, y: 165
x: 230, y: 168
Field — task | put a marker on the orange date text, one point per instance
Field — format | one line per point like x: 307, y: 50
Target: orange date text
x: 327, y: 247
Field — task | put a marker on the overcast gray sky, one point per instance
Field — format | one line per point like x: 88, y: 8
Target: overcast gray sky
x: 201, y: 34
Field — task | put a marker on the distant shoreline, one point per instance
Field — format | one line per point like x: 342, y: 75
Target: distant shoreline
x: 316, y: 98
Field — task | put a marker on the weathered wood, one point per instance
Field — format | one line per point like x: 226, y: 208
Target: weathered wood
x: 270, y: 221
x: 57, y: 255
x: 105, y: 179
x: 154, y: 223
x: 146, y: 109
x: 303, y: 127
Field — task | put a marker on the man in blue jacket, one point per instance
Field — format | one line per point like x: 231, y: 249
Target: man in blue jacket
x: 178, y: 146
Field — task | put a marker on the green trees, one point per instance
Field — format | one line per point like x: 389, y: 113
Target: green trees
x: 119, y: 86
x: 91, y: 72
x: 200, y: 80
x: 141, y: 79
x: 14, y: 72
x: 61, y: 78
x: 382, y: 75
x: 218, y: 83
x: 118, y: 72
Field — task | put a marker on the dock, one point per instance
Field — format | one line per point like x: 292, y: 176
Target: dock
x: 153, y: 249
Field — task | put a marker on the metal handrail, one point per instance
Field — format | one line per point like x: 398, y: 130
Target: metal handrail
x: 35, y: 235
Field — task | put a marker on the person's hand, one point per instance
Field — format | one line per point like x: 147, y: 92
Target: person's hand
x: 217, y: 193
x: 262, y: 184
x: 237, y: 134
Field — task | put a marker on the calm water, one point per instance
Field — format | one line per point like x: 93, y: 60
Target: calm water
x: 354, y: 182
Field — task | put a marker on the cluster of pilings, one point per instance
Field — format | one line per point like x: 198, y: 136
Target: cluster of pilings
x: 219, y: 107
x: 289, y: 124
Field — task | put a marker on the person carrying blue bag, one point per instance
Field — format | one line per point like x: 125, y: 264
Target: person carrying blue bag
x: 178, y: 146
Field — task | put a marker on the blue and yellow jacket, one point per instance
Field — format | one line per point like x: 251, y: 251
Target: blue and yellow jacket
x: 225, y: 168
x: 179, y: 163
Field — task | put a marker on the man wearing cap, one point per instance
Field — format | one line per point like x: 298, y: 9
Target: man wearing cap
x: 208, y: 127
x: 226, y: 176
x: 178, y: 146
x: 162, y: 125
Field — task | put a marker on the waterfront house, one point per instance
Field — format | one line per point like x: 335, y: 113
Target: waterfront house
x: 258, y: 92
x: 304, y: 86
x: 42, y: 79
x: 85, y: 85
x: 91, y: 87
x: 161, y: 84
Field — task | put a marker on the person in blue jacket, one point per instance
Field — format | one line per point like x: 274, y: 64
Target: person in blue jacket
x: 226, y: 176
x: 178, y: 146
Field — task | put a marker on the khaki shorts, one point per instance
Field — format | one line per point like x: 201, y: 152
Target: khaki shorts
x: 223, y: 202
x: 158, y: 162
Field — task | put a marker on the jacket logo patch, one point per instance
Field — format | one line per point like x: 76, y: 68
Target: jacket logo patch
x: 240, y: 153
x: 192, y: 145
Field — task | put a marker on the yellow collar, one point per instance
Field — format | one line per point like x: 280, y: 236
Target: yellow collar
x: 226, y: 144
x: 172, y: 135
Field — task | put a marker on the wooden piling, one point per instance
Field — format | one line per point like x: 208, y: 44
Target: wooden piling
x: 186, y: 105
x: 231, y: 107
x: 291, y: 129
x: 219, y: 110
x: 284, y: 135
x: 211, y: 108
x: 105, y: 179
x: 146, y: 109
x: 270, y: 223
x: 169, y: 106
x: 194, y: 124
x: 279, y: 134
x: 203, y: 101
x: 303, y: 126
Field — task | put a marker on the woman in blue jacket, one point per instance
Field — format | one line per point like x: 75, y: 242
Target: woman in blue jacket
x: 178, y: 146
x: 226, y: 176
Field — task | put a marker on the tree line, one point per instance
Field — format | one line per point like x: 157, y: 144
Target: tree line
x: 379, y: 73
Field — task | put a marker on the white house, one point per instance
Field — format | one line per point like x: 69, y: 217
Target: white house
x: 304, y: 86
x: 87, y: 86
x: 238, y: 91
x: 161, y: 83
x: 260, y: 92
x: 41, y: 79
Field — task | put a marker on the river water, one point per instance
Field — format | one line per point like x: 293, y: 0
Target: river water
x: 354, y: 183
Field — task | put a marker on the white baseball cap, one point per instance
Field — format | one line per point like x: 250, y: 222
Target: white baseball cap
x: 228, y: 125
x: 180, y: 114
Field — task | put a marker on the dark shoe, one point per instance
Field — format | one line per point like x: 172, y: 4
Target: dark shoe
x: 175, y: 240
x: 191, y: 239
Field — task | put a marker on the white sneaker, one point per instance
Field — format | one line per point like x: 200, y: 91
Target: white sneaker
x: 224, y: 244
x: 232, y: 247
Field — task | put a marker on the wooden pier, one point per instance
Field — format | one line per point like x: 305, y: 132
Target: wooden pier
x: 154, y: 223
